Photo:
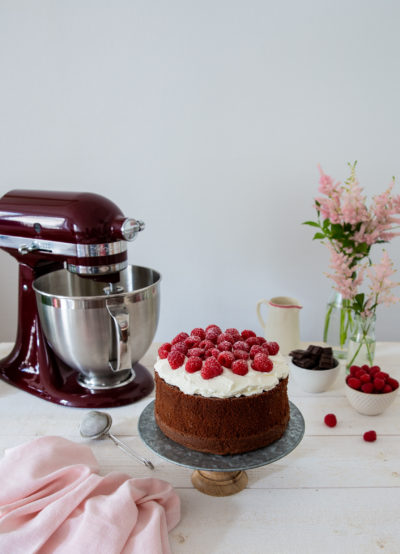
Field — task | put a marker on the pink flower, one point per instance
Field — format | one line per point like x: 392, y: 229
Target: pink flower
x: 380, y: 284
x: 343, y: 274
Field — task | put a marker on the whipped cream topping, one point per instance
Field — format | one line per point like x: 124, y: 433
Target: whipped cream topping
x: 226, y: 385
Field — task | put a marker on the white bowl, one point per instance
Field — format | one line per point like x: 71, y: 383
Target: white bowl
x: 369, y: 404
x: 314, y: 380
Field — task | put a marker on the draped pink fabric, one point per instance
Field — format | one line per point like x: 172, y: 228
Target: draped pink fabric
x: 52, y: 500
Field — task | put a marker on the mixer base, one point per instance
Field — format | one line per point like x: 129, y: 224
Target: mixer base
x: 63, y: 387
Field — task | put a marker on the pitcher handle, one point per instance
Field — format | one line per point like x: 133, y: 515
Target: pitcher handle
x: 260, y: 318
x: 120, y: 318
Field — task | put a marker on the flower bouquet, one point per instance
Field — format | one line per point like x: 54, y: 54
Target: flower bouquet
x: 350, y: 228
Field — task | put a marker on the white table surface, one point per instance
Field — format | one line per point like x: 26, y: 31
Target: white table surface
x: 335, y: 493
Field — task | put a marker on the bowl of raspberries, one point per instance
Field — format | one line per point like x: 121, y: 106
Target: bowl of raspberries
x: 370, y: 390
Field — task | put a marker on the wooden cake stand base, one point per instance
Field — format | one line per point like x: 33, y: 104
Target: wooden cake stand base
x: 219, y: 483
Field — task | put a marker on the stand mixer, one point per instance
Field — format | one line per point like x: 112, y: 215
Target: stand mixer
x: 85, y: 317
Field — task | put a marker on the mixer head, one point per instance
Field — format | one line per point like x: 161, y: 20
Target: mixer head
x: 84, y: 232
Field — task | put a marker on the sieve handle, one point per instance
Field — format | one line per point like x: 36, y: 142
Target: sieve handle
x: 120, y: 317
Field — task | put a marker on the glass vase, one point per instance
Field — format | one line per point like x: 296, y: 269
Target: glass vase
x: 362, y: 341
x: 338, y: 324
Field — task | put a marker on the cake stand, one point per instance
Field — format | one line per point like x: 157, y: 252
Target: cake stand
x: 214, y: 474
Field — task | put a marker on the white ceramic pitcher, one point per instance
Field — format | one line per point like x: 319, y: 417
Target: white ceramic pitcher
x: 282, y: 324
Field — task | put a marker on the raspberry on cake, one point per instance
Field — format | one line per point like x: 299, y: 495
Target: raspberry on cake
x: 221, y: 392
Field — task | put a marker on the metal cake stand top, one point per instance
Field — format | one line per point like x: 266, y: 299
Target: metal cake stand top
x: 178, y: 454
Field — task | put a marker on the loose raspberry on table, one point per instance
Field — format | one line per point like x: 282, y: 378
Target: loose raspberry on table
x: 224, y: 345
x: 212, y: 335
x: 192, y: 341
x: 330, y: 420
x: 198, y: 352
x: 241, y: 345
x: 226, y: 358
x: 199, y: 332
x: 262, y: 363
x: 180, y: 347
x: 179, y: 338
x: 247, y: 333
x: 273, y: 348
x: 240, y: 367
x: 234, y: 333
x: 193, y: 364
x: 211, y: 368
x: 256, y: 349
x: 176, y: 359
x: 369, y: 436
x: 164, y: 350
x: 241, y: 354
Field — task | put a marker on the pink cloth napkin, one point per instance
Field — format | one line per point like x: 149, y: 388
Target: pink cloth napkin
x: 52, y: 500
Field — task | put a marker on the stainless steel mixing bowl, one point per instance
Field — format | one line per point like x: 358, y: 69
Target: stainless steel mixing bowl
x: 98, y: 330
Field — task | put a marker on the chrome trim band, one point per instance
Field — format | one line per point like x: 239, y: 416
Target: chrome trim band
x: 97, y: 269
x: 63, y: 248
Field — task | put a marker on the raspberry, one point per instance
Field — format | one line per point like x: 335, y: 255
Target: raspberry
x: 262, y: 363
x: 387, y: 388
x: 374, y: 369
x: 179, y: 338
x: 211, y: 352
x: 212, y: 335
x: 261, y: 340
x: 224, y: 345
x: 354, y: 369
x: 393, y: 383
x: 180, y: 347
x: 226, y: 359
x: 381, y: 375
x: 164, y: 350
x: 241, y: 354
x: 199, y: 332
x: 365, y: 378
x: 198, y: 352
x: 192, y: 341
x: 193, y: 364
x: 234, y: 333
x: 211, y: 368
x: 209, y: 327
x: 241, y: 345
x: 360, y: 373
x: 206, y: 344
x: 273, y: 348
x: 368, y: 388
x: 330, y: 420
x: 251, y: 341
x: 247, y: 333
x: 369, y: 436
x: 176, y: 359
x: 354, y: 383
x: 225, y: 337
x: 240, y: 367
x: 379, y: 384
x: 365, y: 367
x: 256, y: 349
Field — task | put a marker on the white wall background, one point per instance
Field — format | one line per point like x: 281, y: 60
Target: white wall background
x: 206, y: 119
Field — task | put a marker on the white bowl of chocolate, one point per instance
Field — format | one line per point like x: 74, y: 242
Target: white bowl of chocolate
x: 314, y: 369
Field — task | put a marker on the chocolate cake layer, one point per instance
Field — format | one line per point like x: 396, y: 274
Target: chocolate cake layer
x: 221, y: 425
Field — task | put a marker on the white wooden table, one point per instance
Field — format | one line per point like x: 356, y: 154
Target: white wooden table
x: 335, y: 493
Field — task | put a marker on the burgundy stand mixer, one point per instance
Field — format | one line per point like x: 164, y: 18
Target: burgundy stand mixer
x: 85, y: 317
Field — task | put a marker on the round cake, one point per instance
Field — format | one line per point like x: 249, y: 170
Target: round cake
x: 221, y: 392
